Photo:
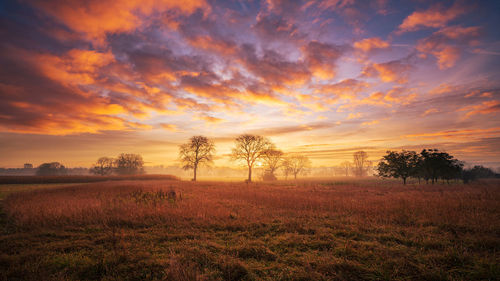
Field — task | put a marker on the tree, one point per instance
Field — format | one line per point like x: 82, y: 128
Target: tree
x: 296, y: 164
x: 361, y: 163
x: 272, y: 159
x: 436, y: 164
x: 345, y: 166
x: 199, y: 150
x: 250, y: 148
x: 51, y: 169
x: 399, y: 165
x: 129, y: 164
x: 103, y: 166
x: 477, y: 172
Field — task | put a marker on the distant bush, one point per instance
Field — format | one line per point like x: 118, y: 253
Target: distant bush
x: 51, y: 169
x: 478, y: 172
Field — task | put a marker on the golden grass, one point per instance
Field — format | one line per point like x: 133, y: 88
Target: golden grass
x: 212, y: 202
x: 286, y: 230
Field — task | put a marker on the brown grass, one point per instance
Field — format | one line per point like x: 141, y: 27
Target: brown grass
x: 311, y: 230
x: 78, y: 179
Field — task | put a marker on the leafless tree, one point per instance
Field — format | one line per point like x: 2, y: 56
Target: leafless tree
x: 346, y: 166
x: 272, y: 159
x: 361, y: 163
x: 296, y: 164
x: 250, y: 148
x: 129, y: 164
x: 103, y: 166
x: 199, y: 150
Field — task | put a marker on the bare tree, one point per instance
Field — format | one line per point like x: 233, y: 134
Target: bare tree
x: 103, y: 166
x: 361, y: 163
x: 272, y: 159
x: 345, y: 166
x: 198, y: 150
x: 250, y: 148
x: 296, y: 164
x: 129, y: 164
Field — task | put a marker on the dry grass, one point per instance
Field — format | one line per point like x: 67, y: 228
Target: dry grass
x: 310, y: 230
x: 78, y: 179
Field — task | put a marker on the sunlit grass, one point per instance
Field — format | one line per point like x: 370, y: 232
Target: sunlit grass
x: 338, y: 229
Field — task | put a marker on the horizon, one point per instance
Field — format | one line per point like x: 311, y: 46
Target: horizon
x: 321, y: 78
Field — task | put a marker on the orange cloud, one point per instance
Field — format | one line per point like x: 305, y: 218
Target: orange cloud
x: 96, y: 18
x: 396, y: 95
x: 400, y: 95
x: 77, y: 67
x: 169, y: 127
x: 436, y: 16
x: 442, y: 44
x: 321, y: 59
x: 369, y: 44
x: 345, y: 89
x: 442, y: 89
x: 430, y: 111
x: 209, y: 119
x: 209, y: 43
x: 393, y: 71
x: 486, y: 107
x: 465, y: 134
x: 354, y: 115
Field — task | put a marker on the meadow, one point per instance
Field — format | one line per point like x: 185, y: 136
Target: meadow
x: 329, y: 229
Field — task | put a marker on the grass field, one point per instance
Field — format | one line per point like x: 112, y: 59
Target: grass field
x: 78, y: 179
x: 285, y: 230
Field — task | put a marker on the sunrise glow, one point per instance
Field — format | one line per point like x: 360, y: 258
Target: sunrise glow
x: 96, y: 78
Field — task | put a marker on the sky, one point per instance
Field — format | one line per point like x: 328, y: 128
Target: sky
x: 85, y: 79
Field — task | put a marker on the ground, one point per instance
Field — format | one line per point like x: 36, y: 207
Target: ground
x: 336, y: 229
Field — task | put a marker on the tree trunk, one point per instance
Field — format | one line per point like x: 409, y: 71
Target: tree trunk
x: 404, y: 181
x: 249, y: 173
x: 295, y: 175
x: 195, y: 168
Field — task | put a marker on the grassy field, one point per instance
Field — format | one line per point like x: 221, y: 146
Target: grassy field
x: 78, y: 179
x: 285, y: 230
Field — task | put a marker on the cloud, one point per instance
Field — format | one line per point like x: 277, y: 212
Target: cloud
x: 369, y: 44
x: 393, y: 71
x: 486, y: 107
x: 396, y: 95
x: 446, y: 44
x: 273, y: 68
x: 211, y: 120
x: 354, y: 115
x: 169, y: 127
x: 276, y: 131
x: 321, y: 59
x: 436, y: 16
x: 430, y: 111
x: 461, y: 133
x: 46, y: 94
x: 443, y: 89
x: 97, y: 18
x: 222, y: 47
x: 345, y: 89
x: 275, y: 27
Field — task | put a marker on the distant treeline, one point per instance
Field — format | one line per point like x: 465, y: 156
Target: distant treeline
x: 429, y: 165
x: 253, y: 151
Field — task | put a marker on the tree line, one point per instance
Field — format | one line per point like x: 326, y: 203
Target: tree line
x: 123, y: 164
x: 429, y: 165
